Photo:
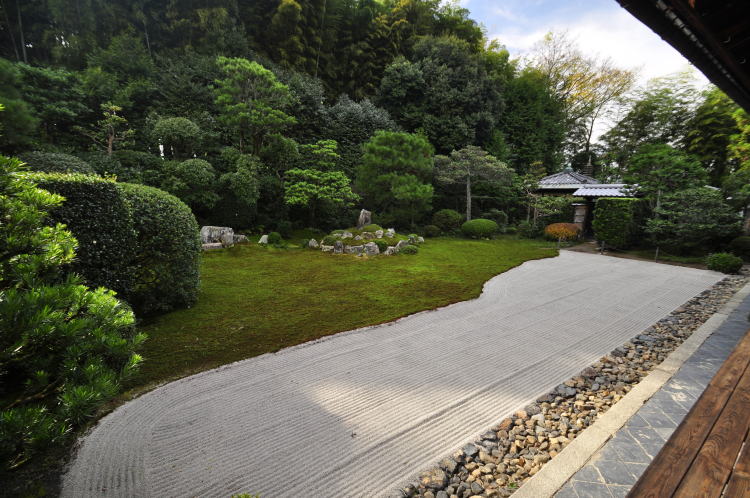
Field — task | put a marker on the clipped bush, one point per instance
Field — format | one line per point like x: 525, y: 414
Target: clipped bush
x: 329, y: 240
x: 304, y: 243
x: 409, y: 249
x: 372, y: 227
x: 740, y: 246
x: 614, y: 221
x: 447, y: 220
x: 479, y: 228
x: 165, y: 265
x: 724, y: 262
x: 431, y: 231
x: 382, y: 244
x: 562, y: 231
x: 274, y: 238
x: 497, y: 216
x: 54, y: 162
x: 96, y: 213
x: 529, y: 230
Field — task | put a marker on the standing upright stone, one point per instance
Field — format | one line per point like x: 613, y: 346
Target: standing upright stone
x: 365, y: 218
x: 338, y: 247
x: 372, y: 249
x: 263, y: 239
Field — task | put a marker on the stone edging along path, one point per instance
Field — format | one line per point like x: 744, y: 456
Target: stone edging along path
x: 517, y: 448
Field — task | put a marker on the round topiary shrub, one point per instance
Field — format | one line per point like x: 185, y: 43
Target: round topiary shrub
x: 371, y: 228
x: 479, y: 228
x: 96, y: 213
x: 329, y: 240
x: 741, y: 247
x: 724, y: 262
x: 431, y: 231
x: 447, y: 220
x: 382, y: 244
x: 562, y: 231
x: 54, y: 162
x: 165, y: 265
x: 409, y: 249
x: 274, y: 238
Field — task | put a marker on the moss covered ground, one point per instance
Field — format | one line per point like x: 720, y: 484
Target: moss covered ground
x: 255, y: 300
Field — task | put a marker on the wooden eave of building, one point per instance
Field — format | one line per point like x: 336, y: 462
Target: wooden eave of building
x: 713, y: 35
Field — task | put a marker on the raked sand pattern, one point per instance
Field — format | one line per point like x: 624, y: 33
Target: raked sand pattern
x: 361, y: 412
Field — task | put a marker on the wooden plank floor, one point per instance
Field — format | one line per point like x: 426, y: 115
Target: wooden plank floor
x: 709, y: 453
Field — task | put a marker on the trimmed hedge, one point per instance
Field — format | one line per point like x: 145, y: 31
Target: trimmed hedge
x: 724, y: 262
x: 740, y: 246
x: 139, y: 241
x: 447, y: 220
x: 431, y: 231
x: 101, y: 221
x: 479, y: 228
x: 165, y: 266
x: 53, y: 162
x: 615, y: 221
x: 409, y: 249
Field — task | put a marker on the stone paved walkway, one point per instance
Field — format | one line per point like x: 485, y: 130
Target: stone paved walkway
x: 616, y: 467
x: 361, y: 412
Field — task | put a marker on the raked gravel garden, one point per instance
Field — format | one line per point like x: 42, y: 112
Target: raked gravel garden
x: 515, y: 449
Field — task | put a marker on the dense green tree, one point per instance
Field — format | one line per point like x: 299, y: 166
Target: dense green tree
x: 445, y: 91
x: 469, y: 165
x: 396, y: 175
x: 709, y: 131
x: 177, y: 136
x: 660, y: 169
x: 252, y: 102
x: 737, y: 185
x: 111, y: 130
x: 18, y: 122
x: 315, y: 190
x: 693, y: 220
x: 193, y: 182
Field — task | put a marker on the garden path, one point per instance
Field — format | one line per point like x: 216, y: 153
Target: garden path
x: 360, y: 412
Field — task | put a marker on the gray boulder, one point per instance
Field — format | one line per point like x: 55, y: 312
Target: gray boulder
x: 239, y: 238
x: 358, y: 237
x: 368, y: 235
x: 402, y: 243
x: 378, y: 234
x: 326, y: 248
x: 390, y: 232
x: 372, y: 249
x: 365, y: 218
x: 391, y: 250
x: 354, y: 249
x: 420, y: 240
x: 211, y: 234
x: 227, y: 238
x: 338, y: 247
x: 347, y: 235
x: 313, y: 244
x: 211, y: 246
x: 263, y: 239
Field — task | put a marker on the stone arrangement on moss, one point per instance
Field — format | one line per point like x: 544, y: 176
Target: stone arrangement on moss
x: 219, y: 237
x: 370, y: 240
x: 515, y: 449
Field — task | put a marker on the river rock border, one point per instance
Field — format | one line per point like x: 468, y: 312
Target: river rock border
x: 502, y: 458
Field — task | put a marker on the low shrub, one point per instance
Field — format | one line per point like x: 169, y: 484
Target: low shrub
x: 431, y: 231
x: 529, y: 230
x: 409, y: 249
x: 511, y: 230
x: 339, y: 231
x: 382, y: 244
x: 479, y: 228
x: 100, y: 219
x: 372, y: 227
x: 329, y: 240
x: 165, y: 265
x: 497, y: 216
x: 740, y: 246
x: 304, y: 243
x: 53, y: 162
x: 274, y: 238
x: 562, y: 231
x: 724, y: 262
x: 614, y: 221
x: 285, y: 228
x: 447, y: 220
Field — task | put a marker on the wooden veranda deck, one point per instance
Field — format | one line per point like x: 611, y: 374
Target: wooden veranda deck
x: 709, y: 453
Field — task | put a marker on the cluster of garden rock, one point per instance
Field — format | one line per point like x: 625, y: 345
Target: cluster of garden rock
x: 516, y: 448
x: 219, y: 237
x: 348, y: 245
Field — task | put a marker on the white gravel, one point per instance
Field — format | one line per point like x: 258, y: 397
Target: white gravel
x: 360, y: 412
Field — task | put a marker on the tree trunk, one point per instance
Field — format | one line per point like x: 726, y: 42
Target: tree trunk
x: 746, y: 222
x: 110, y: 143
x: 10, y: 30
x: 20, y: 29
x: 468, y: 198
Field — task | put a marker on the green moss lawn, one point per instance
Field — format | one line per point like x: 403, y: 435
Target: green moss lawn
x: 256, y: 300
